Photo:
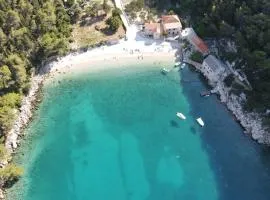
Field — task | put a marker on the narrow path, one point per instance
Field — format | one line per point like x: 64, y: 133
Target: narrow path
x: 124, y: 18
x: 195, y: 64
x: 131, y: 30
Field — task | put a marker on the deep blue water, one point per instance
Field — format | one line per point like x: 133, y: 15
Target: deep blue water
x: 114, y: 135
x: 241, y: 166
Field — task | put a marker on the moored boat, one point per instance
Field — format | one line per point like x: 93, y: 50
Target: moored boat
x: 205, y: 94
x: 177, y: 64
x: 183, y: 66
x: 180, y: 115
x: 200, y: 121
x: 165, y: 70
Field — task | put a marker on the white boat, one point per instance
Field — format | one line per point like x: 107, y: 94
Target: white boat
x: 180, y: 115
x: 165, y: 70
x: 177, y: 64
x: 183, y: 66
x: 200, y: 121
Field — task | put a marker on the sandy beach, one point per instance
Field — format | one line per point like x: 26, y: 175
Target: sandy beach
x: 114, y: 56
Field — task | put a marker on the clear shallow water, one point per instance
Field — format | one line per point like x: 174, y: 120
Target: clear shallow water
x: 114, y: 135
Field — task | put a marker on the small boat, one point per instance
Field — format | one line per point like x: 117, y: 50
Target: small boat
x: 177, y: 64
x: 183, y: 66
x: 180, y: 115
x: 205, y: 94
x: 165, y: 70
x: 200, y: 121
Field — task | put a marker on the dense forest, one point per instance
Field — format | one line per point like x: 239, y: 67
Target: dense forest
x: 247, y: 22
x: 30, y: 31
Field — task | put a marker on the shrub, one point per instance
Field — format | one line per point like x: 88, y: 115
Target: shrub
x: 11, y: 100
x: 134, y: 6
x: 197, y: 57
x: 114, y: 23
x: 116, y: 12
x: 7, y: 116
x: 3, y: 152
x: 11, y: 172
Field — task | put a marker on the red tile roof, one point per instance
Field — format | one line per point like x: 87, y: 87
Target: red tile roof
x: 166, y: 19
x: 153, y: 27
x: 199, y: 43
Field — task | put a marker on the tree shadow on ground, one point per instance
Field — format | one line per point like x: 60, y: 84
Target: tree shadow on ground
x: 88, y: 21
x: 107, y: 31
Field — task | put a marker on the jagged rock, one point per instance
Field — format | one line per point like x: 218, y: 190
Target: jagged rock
x: 252, y: 122
x: 3, y: 163
x: 24, y: 115
x: 2, y: 194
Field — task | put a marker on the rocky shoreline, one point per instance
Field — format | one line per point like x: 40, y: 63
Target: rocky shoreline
x: 250, y: 121
x: 25, y: 114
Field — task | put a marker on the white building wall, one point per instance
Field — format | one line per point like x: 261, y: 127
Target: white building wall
x: 173, y: 32
x: 156, y: 35
x: 209, y: 73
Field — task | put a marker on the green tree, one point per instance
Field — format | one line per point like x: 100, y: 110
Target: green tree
x: 12, y: 20
x: 11, y: 99
x: 225, y: 29
x: 91, y: 11
x: 133, y: 15
x: 7, y: 115
x: 25, y: 11
x: 5, y: 76
x: 75, y: 13
x: 171, y: 12
x: 116, y: 12
x: 3, y: 37
x: 134, y: 6
x: 46, y: 18
x: 197, y: 57
x: 52, y: 45
x: 18, y: 66
x: 114, y: 23
x: 69, y: 3
x: 142, y: 15
x: 22, y: 40
x: 4, y: 155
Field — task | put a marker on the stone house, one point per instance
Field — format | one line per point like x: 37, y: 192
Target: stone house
x: 171, y: 25
x: 152, y: 30
x: 213, y: 68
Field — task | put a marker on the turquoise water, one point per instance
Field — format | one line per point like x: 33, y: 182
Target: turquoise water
x: 114, y: 135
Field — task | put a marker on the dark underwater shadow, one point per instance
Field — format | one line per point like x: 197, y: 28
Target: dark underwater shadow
x: 238, y: 163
